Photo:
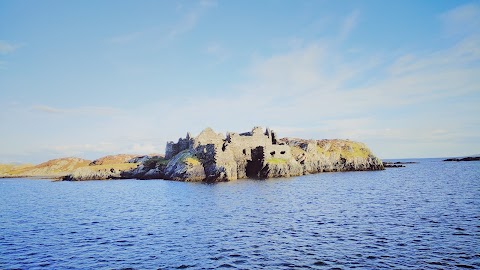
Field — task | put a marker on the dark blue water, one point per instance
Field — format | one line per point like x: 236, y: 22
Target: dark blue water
x: 424, y: 216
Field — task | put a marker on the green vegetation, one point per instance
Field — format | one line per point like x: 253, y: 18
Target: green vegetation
x: 346, y: 149
x: 296, y: 151
x: 276, y: 161
x: 356, y: 150
x: 323, y: 151
x: 155, y: 162
x: 107, y: 167
x: 192, y: 161
x: 13, y: 169
x: 187, y: 158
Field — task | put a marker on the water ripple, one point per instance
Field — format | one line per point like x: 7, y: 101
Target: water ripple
x: 424, y: 216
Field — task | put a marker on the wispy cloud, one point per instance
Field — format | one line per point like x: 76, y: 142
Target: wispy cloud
x: 144, y: 148
x: 48, y: 109
x: 349, y: 24
x: 100, y: 147
x: 190, y: 19
x: 126, y: 38
x: 316, y: 85
x: 82, y: 149
x: 97, y: 150
x: 464, y: 19
x: 8, y: 47
x: 85, y: 110
x: 219, y: 52
x: 208, y: 3
x: 399, y: 104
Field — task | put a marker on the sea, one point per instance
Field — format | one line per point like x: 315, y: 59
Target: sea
x: 423, y: 216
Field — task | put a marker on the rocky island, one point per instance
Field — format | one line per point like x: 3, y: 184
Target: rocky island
x: 215, y: 157
x: 397, y: 164
x: 475, y: 158
x: 108, y: 167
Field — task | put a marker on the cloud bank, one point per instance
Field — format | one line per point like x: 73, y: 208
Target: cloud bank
x: 404, y: 103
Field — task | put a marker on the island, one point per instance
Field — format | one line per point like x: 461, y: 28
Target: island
x: 216, y: 157
x: 475, y: 158
x: 397, y: 164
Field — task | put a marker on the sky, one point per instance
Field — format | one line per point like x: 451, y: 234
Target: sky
x: 92, y: 78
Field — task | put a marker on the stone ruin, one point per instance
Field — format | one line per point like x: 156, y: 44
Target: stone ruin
x: 260, y: 154
x: 232, y: 156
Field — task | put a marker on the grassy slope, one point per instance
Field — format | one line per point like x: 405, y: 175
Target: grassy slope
x: 6, y: 169
x: 340, y: 148
x: 346, y: 149
x: 276, y: 161
x: 118, y: 166
x: 59, y: 167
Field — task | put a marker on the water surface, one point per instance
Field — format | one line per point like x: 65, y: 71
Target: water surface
x: 424, y: 216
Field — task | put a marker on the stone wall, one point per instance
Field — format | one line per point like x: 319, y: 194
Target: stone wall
x: 227, y: 158
x: 277, y: 151
x: 172, y: 149
x: 259, y: 154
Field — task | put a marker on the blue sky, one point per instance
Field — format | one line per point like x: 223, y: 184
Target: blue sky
x: 90, y: 78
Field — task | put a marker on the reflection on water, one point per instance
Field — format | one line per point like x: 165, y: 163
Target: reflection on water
x: 424, y: 216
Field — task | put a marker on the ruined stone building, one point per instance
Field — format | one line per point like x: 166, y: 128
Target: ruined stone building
x: 260, y: 154
x: 232, y: 156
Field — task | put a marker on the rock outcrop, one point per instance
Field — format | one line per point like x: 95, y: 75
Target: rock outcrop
x: 120, y: 166
x: 72, y: 168
x: 149, y: 167
x: 213, y: 157
x: 55, y: 168
x: 100, y: 172
x: 114, y: 159
x: 12, y: 170
x: 397, y: 164
x: 476, y: 158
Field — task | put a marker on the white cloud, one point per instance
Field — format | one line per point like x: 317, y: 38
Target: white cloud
x: 84, y: 110
x: 187, y: 20
x: 190, y: 19
x: 48, y: 109
x: 218, y: 51
x: 126, y: 38
x: 82, y: 149
x: 8, y: 47
x: 398, y: 104
x: 349, y: 24
x: 464, y: 19
x: 208, y: 3
x: 316, y: 91
x: 144, y: 148
x: 96, y: 150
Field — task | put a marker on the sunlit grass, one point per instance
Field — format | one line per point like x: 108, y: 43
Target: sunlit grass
x: 276, y: 161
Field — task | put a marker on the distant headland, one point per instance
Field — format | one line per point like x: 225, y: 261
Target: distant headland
x: 475, y: 158
x: 215, y: 157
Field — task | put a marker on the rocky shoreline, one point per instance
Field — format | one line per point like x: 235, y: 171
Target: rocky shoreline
x: 214, y: 157
x: 397, y: 164
x: 463, y: 159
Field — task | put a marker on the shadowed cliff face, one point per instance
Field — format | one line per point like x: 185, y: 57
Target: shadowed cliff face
x: 212, y: 157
